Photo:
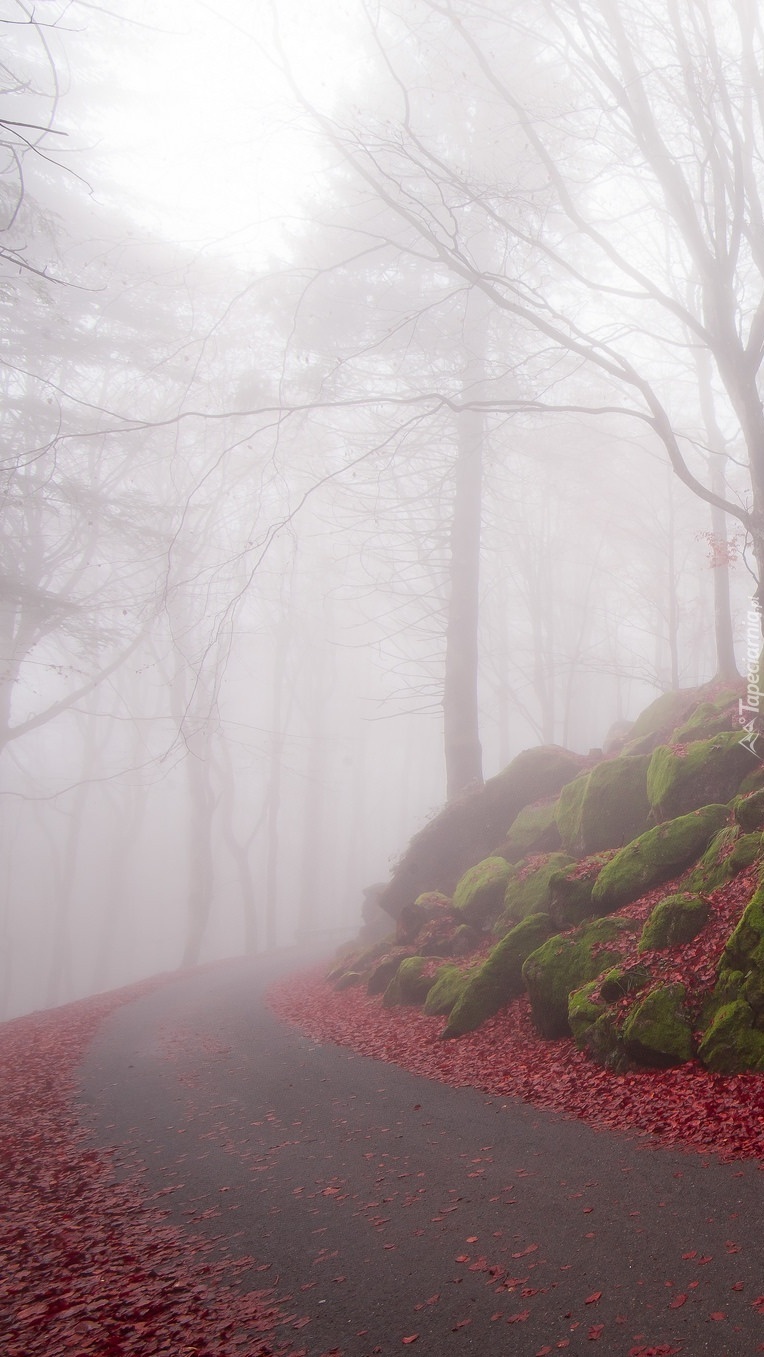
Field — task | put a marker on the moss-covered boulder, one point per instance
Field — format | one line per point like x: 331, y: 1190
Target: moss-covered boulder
x: 658, y: 1030
x: 383, y: 970
x: 606, y: 808
x: 448, y: 984
x: 585, y: 1007
x: 466, y: 939
x: 413, y: 918
x: 566, y: 962
x: 621, y: 981
x: 570, y: 891
x: 682, y: 778
x: 361, y: 960
x: 500, y: 978
x: 732, y: 1044
x: 534, y: 830
x: 749, y: 811
x: 733, y: 1017
x: 410, y: 984
x: 479, y: 895
x: 656, y: 856
x: 707, y: 869
x: 708, y: 719
x: 675, y: 920
x: 528, y: 888
x: 660, y: 718
x: 469, y: 827
x: 568, y: 811
x: 349, y: 978
x: 744, y: 951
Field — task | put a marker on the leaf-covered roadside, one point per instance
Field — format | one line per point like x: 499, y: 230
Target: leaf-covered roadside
x: 86, y: 1265
x: 506, y: 1057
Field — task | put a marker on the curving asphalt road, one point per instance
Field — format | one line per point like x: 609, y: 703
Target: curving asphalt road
x: 390, y: 1206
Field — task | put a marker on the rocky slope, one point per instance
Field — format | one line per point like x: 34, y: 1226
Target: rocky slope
x: 622, y: 896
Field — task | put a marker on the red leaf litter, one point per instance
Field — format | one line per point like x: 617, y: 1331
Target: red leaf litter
x: 507, y: 1058
x: 85, y: 1266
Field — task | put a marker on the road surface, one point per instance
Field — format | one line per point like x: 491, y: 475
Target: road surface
x: 387, y: 1207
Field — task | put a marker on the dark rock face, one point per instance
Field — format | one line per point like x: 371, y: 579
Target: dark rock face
x: 468, y: 830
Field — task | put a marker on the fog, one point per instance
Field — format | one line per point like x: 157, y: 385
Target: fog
x: 380, y: 400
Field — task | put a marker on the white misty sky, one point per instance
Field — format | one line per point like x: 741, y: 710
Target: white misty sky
x: 189, y: 116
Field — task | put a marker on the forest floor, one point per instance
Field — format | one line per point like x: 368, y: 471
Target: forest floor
x: 186, y: 1173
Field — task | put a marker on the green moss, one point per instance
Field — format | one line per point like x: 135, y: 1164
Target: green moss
x: 749, y: 811
x: 479, y: 895
x: 584, y: 1008
x: 568, y: 811
x: 732, y: 1044
x: 534, y: 830
x: 448, y: 984
x: 709, y: 865
x: 607, y: 808
x: 658, y: 1031
x: 381, y: 974
x: 661, y: 853
x: 675, y: 920
x: 745, y: 947
x: 528, y: 890
x: 408, y: 985
x: 500, y: 978
x: 683, y: 778
x: 707, y: 720
x: 566, y: 962
x: 622, y: 980
x: 432, y: 902
x: 729, y: 987
x: 754, y: 781
x: 664, y: 714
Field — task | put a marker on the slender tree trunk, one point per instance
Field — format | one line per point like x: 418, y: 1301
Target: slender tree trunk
x: 726, y: 664
x: 461, y: 730
x: 202, y: 802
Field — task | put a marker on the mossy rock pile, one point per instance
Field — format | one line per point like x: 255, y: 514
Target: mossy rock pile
x: 479, y: 895
x: 553, y: 909
x: 658, y: 1029
x: 659, y: 719
x: 749, y: 811
x: 605, y: 808
x: 676, y: 920
x: 449, y: 983
x: 661, y: 853
x: 534, y: 830
x: 500, y: 978
x: 570, y: 891
x: 733, y: 1039
x: 528, y: 889
x: 410, y: 985
x: 682, y: 778
x: 566, y: 962
x: 470, y: 827
x: 728, y: 853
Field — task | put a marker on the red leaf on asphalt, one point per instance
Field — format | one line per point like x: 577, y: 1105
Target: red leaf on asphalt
x: 595, y: 1332
x: 593, y: 1298
x: 678, y: 1301
x: 412, y: 1338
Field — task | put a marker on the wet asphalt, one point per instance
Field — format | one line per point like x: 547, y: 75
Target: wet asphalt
x: 382, y: 1207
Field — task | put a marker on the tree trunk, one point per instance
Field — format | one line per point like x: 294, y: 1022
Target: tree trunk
x: 461, y: 727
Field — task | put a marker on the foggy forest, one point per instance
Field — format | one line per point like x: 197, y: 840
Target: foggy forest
x: 381, y: 398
